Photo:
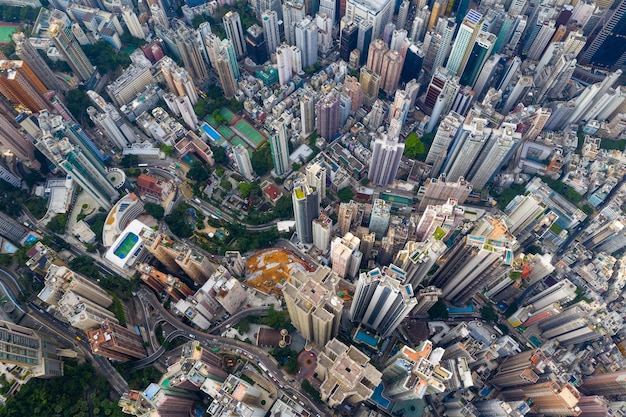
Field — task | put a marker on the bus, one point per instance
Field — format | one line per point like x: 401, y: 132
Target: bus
x: 142, y: 165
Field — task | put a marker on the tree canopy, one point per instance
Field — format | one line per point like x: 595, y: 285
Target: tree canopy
x: 198, y: 172
x: 345, y: 194
x: 414, y: 148
x: 106, y: 57
x: 155, y: 210
x: 262, y: 160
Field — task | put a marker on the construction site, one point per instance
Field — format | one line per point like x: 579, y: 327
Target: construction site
x: 269, y: 269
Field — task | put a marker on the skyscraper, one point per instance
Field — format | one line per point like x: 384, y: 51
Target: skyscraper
x: 345, y: 256
x: 316, y: 177
x: 116, y: 342
x: 446, y: 132
x: 279, y: 145
x: 242, y: 159
x: 30, y: 350
x: 69, y: 48
x: 27, y: 53
x: 521, y: 369
x: 378, y: 12
x: 328, y: 116
x: 467, y: 33
x: 370, y: 84
x: 386, y: 157
x: 468, y: 144
x: 352, y: 88
x: 379, y: 219
x: 471, y: 265
x: 502, y: 143
x: 234, y: 32
x: 437, y: 191
x: 349, y: 38
x: 16, y: 142
x: 284, y: 63
x: 548, y: 397
x: 269, y: 19
x: 305, y: 209
x: 307, y: 115
x: 347, y: 213
x: 20, y: 86
x: 608, y: 48
x: 608, y: 383
x: 306, y: 40
x: 322, y: 228
x: 391, y: 70
x: 293, y: 12
x: 256, y: 45
x: 312, y: 303
x: 132, y: 22
x: 381, y: 301
x: 480, y: 51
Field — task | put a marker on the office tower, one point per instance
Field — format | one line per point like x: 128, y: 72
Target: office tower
x: 446, y: 132
x: 349, y: 39
x: 352, y: 88
x: 269, y: 19
x: 234, y: 32
x: 27, y: 53
x: 608, y: 383
x: 345, y: 256
x: 387, y: 31
x: 324, y: 33
x: 521, y: 369
x: 293, y: 13
x: 608, y: 50
x: 501, y: 145
x: 328, y: 117
x: 400, y: 107
x: 403, y: 13
x: 306, y: 40
x: 313, y: 305
x: 31, y: 350
x: 322, y: 229
x: 379, y: 219
x: 116, y: 342
x: 467, y: 146
x: 242, y: 159
x: 69, y: 48
x: 16, y: 142
x: 441, y: 83
x: 85, y: 172
x: 347, y: 214
x: 591, y: 95
x: 378, y: 12
x: 410, y: 374
x: 284, y: 64
x: 437, y: 191
x: 522, y: 87
x: 480, y: 51
x: 375, y: 55
x: 20, y: 86
x: 426, y: 298
x: 413, y: 63
x: 561, y: 292
x: 316, y: 177
x: 386, y: 157
x: 225, y: 63
x: 328, y: 7
x: 307, y: 115
x: 397, y: 39
x: 558, y: 79
x: 391, y: 70
x: 471, y: 265
x: 132, y: 22
x: 466, y: 35
x: 60, y: 280
x: 541, y: 40
x: 437, y: 45
x: 381, y: 301
x: 305, y: 209
x: 279, y: 145
x: 547, y: 397
x: 347, y: 375
x: 157, y: 400
x: 370, y: 84
x: 190, y: 50
x: 256, y: 45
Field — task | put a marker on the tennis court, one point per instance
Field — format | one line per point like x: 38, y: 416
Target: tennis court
x: 227, y: 114
x: 238, y: 141
x: 6, y: 30
x: 251, y: 133
x: 226, y: 132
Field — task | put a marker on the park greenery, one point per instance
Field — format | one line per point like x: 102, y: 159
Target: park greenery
x: 214, y: 101
x: 10, y: 195
x: 198, y: 172
x: 309, y: 389
x: 106, y: 58
x: 155, y: 210
x: 78, y: 393
x: 287, y: 358
x: 261, y: 159
x: 138, y: 379
x: 345, y: 194
x: 58, y: 223
x: 77, y: 102
x: 439, y: 311
x: 416, y: 147
x: 489, y: 314
x: 15, y: 14
x: 508, y: 194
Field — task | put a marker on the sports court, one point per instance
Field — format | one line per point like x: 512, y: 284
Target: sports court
x: 126, y: 246
x: 6, y: 30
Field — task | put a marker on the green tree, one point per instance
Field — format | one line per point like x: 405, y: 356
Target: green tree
x: 155, y: 210
x: 198, y: 172
x: 57, y: 224
x: 414, y: 148
x: 225, y: 184
x: 129, y: 161
x: 244, y: 189
x: 106, y: 57
x: 219, y: 155
x: 488, y: 314
x: 439, y: 311
x: 77, y: 102
x: 345, y: 194
x: 284, y: 208
x: 262, y: 160
x: 167, y: 149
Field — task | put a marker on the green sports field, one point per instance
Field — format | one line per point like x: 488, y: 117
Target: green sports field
x: 6, y: 30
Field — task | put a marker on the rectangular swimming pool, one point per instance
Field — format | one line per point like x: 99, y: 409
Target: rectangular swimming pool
x: 213, y: 134
x: 363, y: 337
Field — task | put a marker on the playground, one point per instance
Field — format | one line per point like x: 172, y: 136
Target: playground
x: 6, y: 31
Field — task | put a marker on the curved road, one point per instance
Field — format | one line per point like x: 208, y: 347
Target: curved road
x: 253, y: 352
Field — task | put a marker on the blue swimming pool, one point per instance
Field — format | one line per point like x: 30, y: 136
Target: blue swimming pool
x: 210, y: 131
x: 377, y: 397
x: 535, y: 341
x: 31, y: 239
x: 363, y: 337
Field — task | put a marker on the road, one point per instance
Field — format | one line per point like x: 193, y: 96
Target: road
x: 254, y: 353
